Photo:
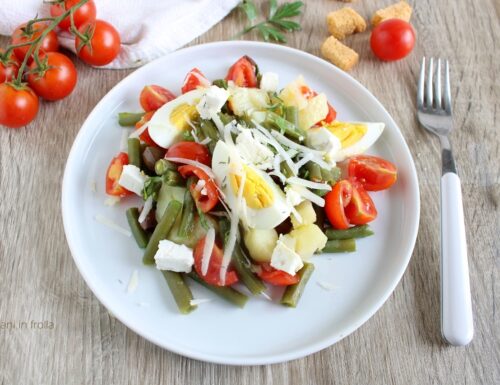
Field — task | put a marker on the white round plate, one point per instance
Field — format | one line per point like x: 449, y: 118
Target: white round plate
x: 345, y: 289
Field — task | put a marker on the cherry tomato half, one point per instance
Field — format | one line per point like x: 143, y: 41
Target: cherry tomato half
x: 113, y: 176
x: 103, y: 45
x: 86, y: 13
x: 23, y: 34
x: 243, y: 73
x: 190, y: 150
x: 205, y: 198
x: 58, y: 81
x: 193, y: 80
x: 335, y: 203
x: 18, y: 105
x: 276, y: 277
x: 145, y: 134
x: 392, y: 39
x: 361, y: 208
x: 212, y: 276
x: 372, y: 172
x: 153, y: 97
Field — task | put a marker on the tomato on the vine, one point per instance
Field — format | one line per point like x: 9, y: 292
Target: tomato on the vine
x: 57, y: 78
x: 18, y: 105
x: 25, y: 34
x: 101, y: 45
x: 86, y: 13
x: 212, y: 275
x: 392, y: 39
x: 9, y: 67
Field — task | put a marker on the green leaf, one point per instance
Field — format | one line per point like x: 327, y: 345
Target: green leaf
x: 287, y: 25
x: 275, y: 34
x: 273, y: 6
x: 288, y: 10
x: 248, y: 6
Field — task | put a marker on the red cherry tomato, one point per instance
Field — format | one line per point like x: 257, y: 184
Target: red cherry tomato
x: 392, y: 39
x: 372, y: 172
x: 243, y: 73
x: 332, y: 114
x: 103, y: 45
x: 276, y: 277
x: 57, y: 81
x: 9, y: 67
x: 23, y: 34
x: 145, y: 134
x: 153, y: 97
x: 361, y: 208
x: 18, y: 105
x: 113, y: 176
x: 86, y: 13
x: 212, y: 276
x: 206, y: 198
x: 193, y: 80
x: 335, y: 203
x: 190, y: 150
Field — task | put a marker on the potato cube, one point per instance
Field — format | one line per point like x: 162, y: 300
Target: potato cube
x: 309, y: 239
x: 307, y: 214
x: 260, y: 243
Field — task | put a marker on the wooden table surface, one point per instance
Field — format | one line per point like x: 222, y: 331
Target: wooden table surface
x: 400, y: 344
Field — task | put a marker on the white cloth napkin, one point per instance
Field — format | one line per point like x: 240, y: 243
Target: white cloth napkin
x: 148, y: 28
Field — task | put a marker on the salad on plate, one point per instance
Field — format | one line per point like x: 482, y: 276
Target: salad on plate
x: 243, y: 182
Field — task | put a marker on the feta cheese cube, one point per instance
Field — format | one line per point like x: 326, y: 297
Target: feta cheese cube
x: 269, y: 82
x: 212, y: 101
x: 320, y: 138
x: 284, y: 256
x: 252, y: 150
x: 293, y: 198
x: 132, y: 179
x: 174, y: 257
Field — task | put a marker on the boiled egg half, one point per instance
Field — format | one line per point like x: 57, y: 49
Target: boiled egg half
x: 172, y: 119
x: 260, y: 203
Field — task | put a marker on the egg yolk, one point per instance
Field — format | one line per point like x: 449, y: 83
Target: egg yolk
x: 257, y: 193
x: 348, y: 133
x: 181, y: 115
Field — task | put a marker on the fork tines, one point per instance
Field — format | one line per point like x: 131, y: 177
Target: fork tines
x: 430, y: 95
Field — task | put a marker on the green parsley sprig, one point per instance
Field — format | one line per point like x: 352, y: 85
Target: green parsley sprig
x: 276, y: 23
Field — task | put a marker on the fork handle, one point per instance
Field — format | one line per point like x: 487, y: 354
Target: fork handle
x: 456, y: 309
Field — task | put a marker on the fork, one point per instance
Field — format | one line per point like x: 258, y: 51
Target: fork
x: 434, y: 114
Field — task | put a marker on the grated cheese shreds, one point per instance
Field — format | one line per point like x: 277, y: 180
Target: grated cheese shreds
x: 309, y: 195
x: 199, y: 301
x: 218, y: 123
x: 111, y: 200
x: 112, y: 225
x: 291, y: 144
x: 148, y: 205
x: 309, y: 184
x: 207, y: 250
x: 133, y: 282
x: 195, y: 163
x: 206, y: 140
x: 139, y: 131
x: 304, y: 160
x: 124, y: 140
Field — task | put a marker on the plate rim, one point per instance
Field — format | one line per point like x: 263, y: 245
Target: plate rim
x: 270, y: 358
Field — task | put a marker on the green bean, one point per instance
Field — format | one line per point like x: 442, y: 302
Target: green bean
x: 277, y: 105
x: 173, y: 178
x: 128, y: 119
x: 284, y: 126
x: 339, y: 246
x: 180, y: 291
x: 221, y: 83
x: 286, y: 170
x: 292, y: 115
x: 161, y: 231
x: 163, y: 165
x: 353, y: 232
x: 141, y: 237
x: 314, y: 172
x: 226, y: 118
x: 209, y: 129
x: 187, y: 218
x: 293, y: 293
x: 327, y: 176
x: 241, y: 262
x: 336, y: 173
x: 225, y: 292
x: 134, y: 152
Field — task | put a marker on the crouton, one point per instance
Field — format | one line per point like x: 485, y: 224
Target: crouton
x: 344, y: 22
x: 339, y: 54
x: 401, y: 10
